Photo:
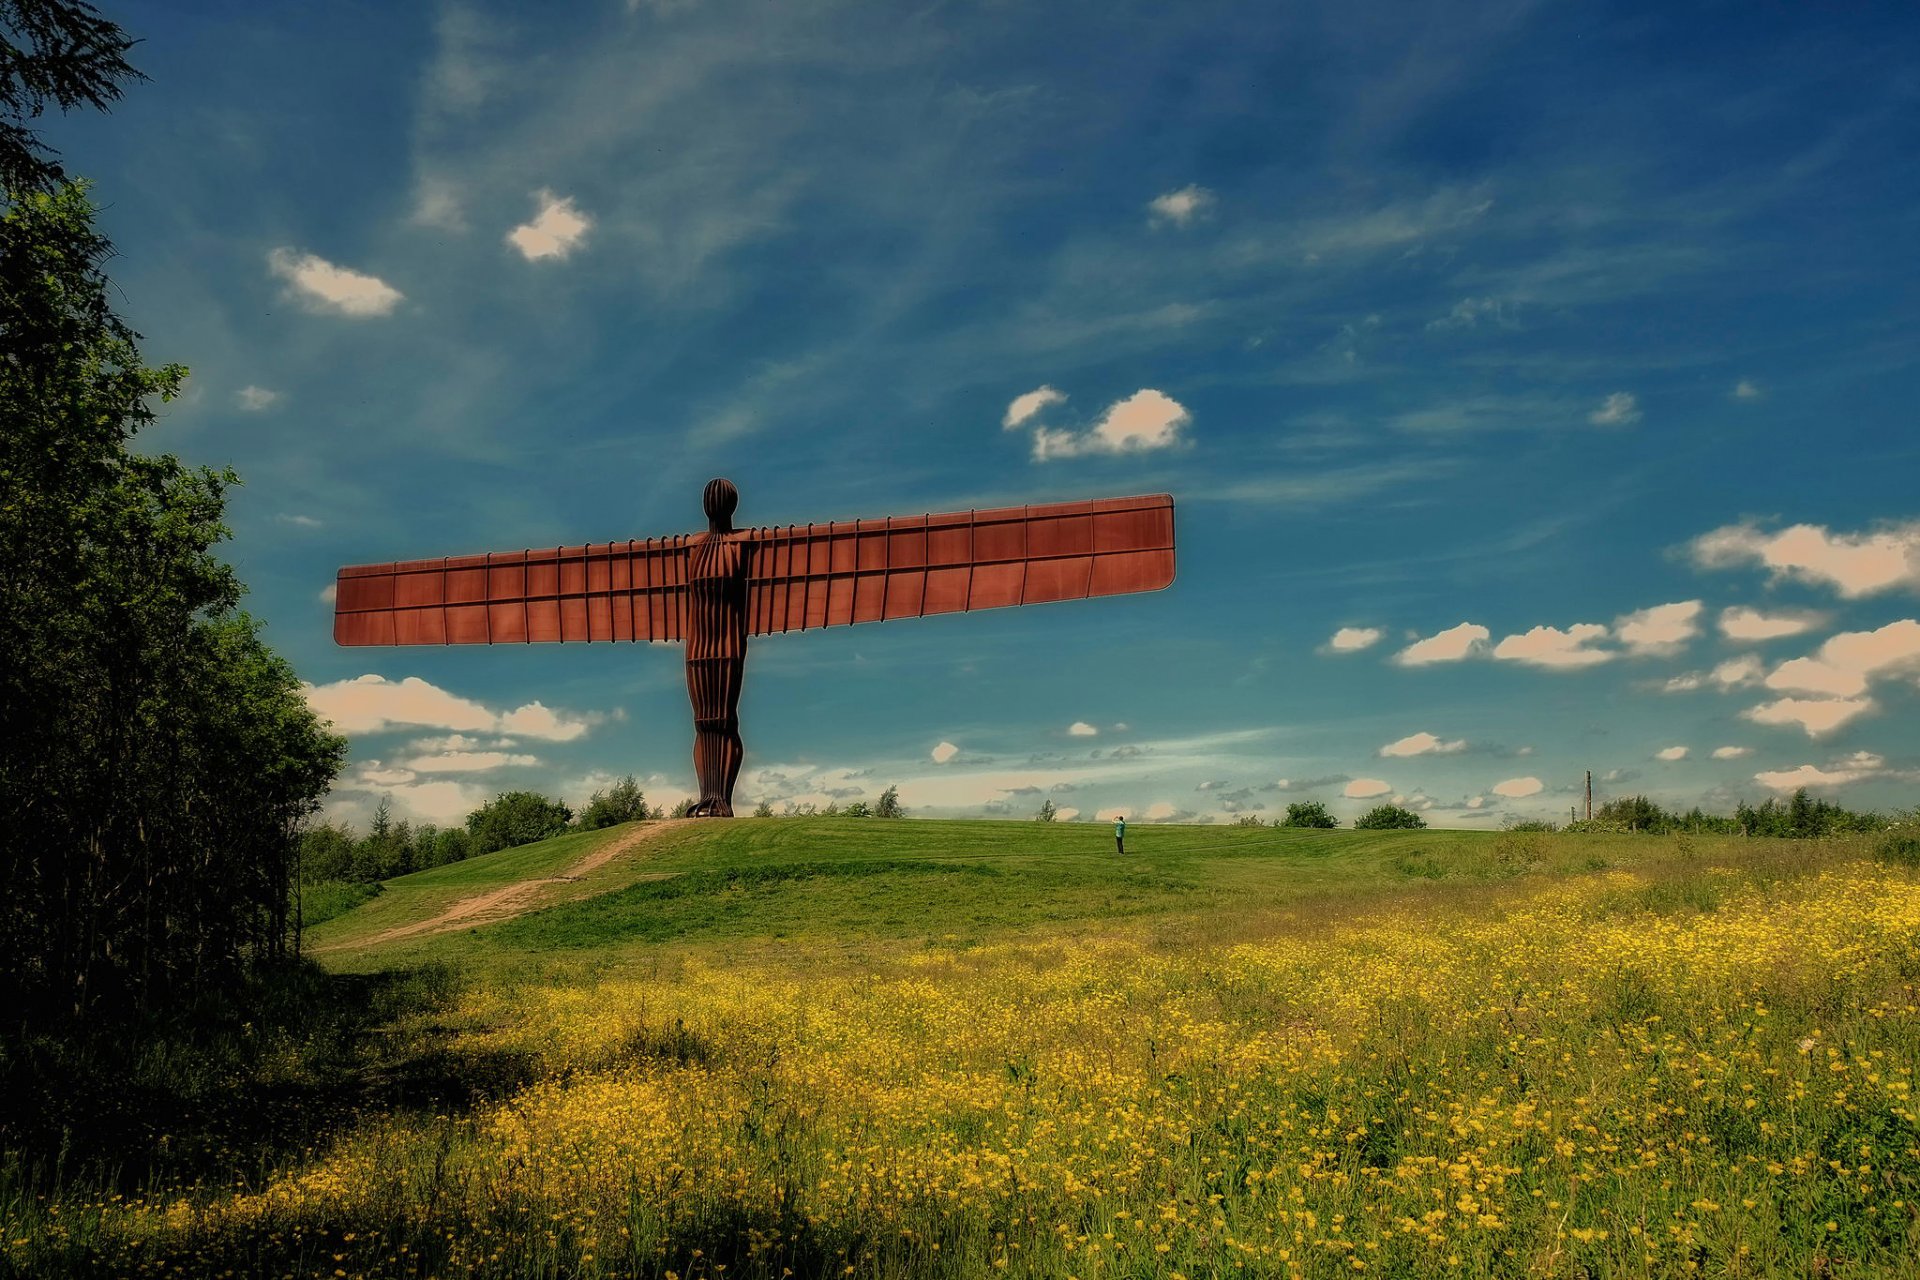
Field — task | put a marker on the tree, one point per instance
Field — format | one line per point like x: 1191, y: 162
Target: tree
x: 158, y: 761
x: 858, y: 809
x: 1309, y: 813
x: 1389, y: 817
x: 63, y: 55
x: 888, y: 805
x: 1047, y: 811
x: 764, y: 809
x: 623, y: 802
x: 514, y: 818
x: 1248, y: 820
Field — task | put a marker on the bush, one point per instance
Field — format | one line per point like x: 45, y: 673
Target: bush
x: 1531, y: 824
x: 515, y: 818
x: 888, y: 805
x: 1900, y: 845
x: 858, y: 809
x: 623, y: 802
x: 1309, y: 813
x: 1389, y: 817
x: 1248, y: 820
x: 1047, y: 812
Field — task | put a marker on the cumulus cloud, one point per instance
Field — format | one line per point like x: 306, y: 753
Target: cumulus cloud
x: 1731, y: 753
x: 1451, y: 645
x: 1424, y: 744
x: 1849, y: 661
x: 1662, y: 629
x: 319, y: 285
x: 1737, y: 672
x: 1518, y: 788
x: 254, y: 399
x: 1065, y: 814
x: 1853, y: 564
x: 1746, y: 389
x: 1108, y: 815
x: 1146, y: 420
x: 374, y: 704
x: 944, y: 752
x: 1818, y: 716
x: 1741, y: 623
x: 1552, y: 647
x: 1180, y: 208
x: 1670, y: 753
x: 1861, y: 764
x: 1081, y: 729
x: 1620, y: 409
x: 1161, y: 811
x: 1366, y: 788
x: 329, y: 592
x: 557, y: 229
x: 1025, y: 406
x: 1353, y: 639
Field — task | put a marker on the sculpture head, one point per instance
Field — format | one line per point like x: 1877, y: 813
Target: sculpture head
x: 720, y: 499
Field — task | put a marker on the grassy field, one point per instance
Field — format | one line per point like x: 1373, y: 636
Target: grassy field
x: 851, y: 1047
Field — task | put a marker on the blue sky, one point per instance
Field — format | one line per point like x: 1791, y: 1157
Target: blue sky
x: 1492, y: 353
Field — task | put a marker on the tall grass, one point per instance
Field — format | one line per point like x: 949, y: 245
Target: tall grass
x: 1702, y: 1069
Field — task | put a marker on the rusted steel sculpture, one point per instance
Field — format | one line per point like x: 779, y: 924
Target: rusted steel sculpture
x: 714, y: 590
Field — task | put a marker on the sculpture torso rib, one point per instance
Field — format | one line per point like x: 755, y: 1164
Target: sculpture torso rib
x: 797, y: 578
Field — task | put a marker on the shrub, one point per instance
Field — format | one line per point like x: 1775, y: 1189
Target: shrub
x: 1531, y: 824
x: 1309, y: 813
x: 515, y: 818
x: 1389, y: 817
x: 622, y: 802
x: 1900, y: 845
x: 858, y: 809
x: 1248, y: 820
x: 1047, y: 812
x: 888, y: 805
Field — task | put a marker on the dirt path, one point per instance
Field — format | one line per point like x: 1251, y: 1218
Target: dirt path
x: 522, y: 896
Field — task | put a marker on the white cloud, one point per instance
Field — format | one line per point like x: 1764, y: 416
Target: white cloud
x: 1366, y: 788
x: 376, y: 774
x: 1847, y: 662
x: 1081, y: 729
x: 1467, y: 313
x: 1731, y: 753
x: 254, y: 399
x: 1817, y: 716
x: 1161, y: 811
x: 536, y: 721
x: 1670, y: 753
x: 1353, y: 639
x: 297, y: 520
x: 321, y: 286
x: 1423, y: 744
x: 1737, y: 672
x: 1618, y: 410
x: 374, y: 704
x: 1475, y: 802
x: 944, y: 752
x: 1518, y: 788
x: 1746, y: 389
x: 1552, y: 647
x: 1686, y: 682
x: 1180, y: 207
x: 1145, y: 420
x: 1861, y: 764
x: 1025, y: 406
x: 1662, y: 629
x: 469, y: 762
x: 556, y: 230
x: 1742, y: 623
x: 1854, y: 564
x: 1451, y: 645
x: 329, y: 592
x: 1065, y: 814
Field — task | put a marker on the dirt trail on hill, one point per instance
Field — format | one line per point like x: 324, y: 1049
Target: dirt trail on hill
x: 522, y: 896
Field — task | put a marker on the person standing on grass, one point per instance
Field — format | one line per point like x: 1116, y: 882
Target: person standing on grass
x: 1120, y: 833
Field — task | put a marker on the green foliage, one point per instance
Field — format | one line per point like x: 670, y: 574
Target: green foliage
x: 323, y: 900
x: 1531, y: 824
x: 515, y: 818
x: 1802, y: 817
x: 1309, y: 813
x: 764, y: 809
x: 888, y: 805
x: 858, y: 809
x: 1389, y: 817
x: 1900, y: 844
x: 157, y: 759
x: 59, y: 55
x: 1248, y: 820
x: 1047, y: 812
x: 622, y: 802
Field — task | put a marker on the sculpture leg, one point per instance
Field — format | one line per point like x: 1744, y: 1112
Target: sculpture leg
x: 713, y: 685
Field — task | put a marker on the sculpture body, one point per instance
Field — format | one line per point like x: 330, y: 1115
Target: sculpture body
x: 712, y: 591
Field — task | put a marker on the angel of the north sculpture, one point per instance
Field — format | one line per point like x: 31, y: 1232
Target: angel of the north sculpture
x: 712, y: 590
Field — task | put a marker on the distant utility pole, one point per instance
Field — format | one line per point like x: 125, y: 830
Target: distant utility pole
x: 1589, y: 795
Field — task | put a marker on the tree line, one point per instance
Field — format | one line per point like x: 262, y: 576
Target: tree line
x: 156, y: 757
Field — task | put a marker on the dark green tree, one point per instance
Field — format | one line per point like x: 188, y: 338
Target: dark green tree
x: 52, y: 54
x: 1047, y: 812
x: 1389, y: 817
x: 1309, y: 813
x: 515, y: 818
x: 888, y: 805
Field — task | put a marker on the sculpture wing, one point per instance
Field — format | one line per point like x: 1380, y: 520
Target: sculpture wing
x: 601, y: 591
x: 830, y: 575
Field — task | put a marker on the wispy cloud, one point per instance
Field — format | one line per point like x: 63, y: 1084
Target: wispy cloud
x: 1180, y: 208
x: 1620, y: 409
x: 555, y: 231
x: 1028, y: 404
x: 255, y: 399
x: 1739, y: 622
